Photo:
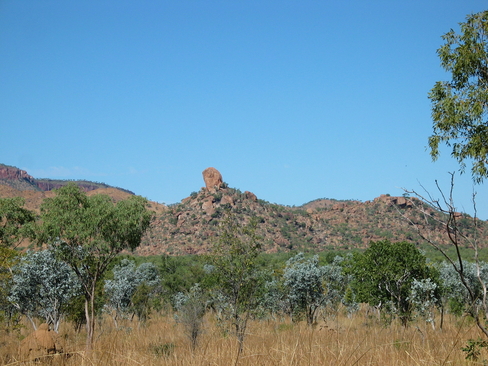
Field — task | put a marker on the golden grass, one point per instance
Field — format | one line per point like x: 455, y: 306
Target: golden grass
x: 345, y: 341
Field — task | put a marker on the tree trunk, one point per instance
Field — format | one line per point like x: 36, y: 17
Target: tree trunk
x: 442, y: 318
x: 90, y: 318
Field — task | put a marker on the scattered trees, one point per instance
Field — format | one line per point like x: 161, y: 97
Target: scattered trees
x: 449, y: 219
x: 459, y: 113
x: 88, y: 232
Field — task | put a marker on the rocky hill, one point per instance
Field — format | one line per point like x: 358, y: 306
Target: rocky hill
x: 192, y: 226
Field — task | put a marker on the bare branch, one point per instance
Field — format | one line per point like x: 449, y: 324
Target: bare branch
x: 448, y: 218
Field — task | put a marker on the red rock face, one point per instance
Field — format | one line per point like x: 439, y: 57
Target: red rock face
x: 212, y: 178
x: 12, y: 173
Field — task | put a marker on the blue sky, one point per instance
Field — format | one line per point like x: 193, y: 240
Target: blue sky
x: 292, y: 100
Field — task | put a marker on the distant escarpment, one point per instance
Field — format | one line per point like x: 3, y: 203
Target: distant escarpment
x: 17, y: 178
x: 20, y: 180
x: 15, y: 182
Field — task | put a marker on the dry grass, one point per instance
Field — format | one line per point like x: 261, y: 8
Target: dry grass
x: 355, y: 341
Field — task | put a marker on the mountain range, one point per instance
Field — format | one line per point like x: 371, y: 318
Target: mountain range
x: 192, y: 225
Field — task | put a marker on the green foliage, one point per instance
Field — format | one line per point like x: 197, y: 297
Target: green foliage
x: 15, y: 221
x: 162, y: 349
x: 304, y: 280
x: 8, y: 259
x: 42, y: 286
x: 142, y: 301
x: 384, y: 273
x: 88, y: 232
x: 179, y: 273
x: 74, y: 310
x: 191, y: 307
x: 473, y: 348
x: 235, y: 270
x: 132, y: 289
x: 459, y: 107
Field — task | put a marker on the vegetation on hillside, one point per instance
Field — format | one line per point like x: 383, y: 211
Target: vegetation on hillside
x: 190, y: 227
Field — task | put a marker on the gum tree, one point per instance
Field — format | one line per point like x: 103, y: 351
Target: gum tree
x: 452, y: 221
x: 460, y: 106
x: 15, y: 225
x: 15, y: 221
x: 42, y: 286
x: 88, y: 232
x: 127, y: 279
x: 236, y: 272
x: 304, y: 280
x: 191, y: 307
x: 383, y: 276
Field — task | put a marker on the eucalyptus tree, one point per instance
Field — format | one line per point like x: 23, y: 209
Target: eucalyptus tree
x: 42, y: 286
x: 127, y: 278
x: 273, y: 302
x: 459, y: 107
x: 236, y: 273
x: 88, y: 232
x: 462, y: 231
x: 15, y: 222
x: 191, y: 307
x: 425, y: 298
x: 15, y: 225
x: 384, y: 273
x: 338, y: 285
x: 456, y: 293
x: 305, y: 282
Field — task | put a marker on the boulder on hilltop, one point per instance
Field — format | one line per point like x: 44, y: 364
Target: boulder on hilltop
x: 213, y: 179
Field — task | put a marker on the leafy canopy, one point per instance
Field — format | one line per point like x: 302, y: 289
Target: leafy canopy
x: 127, y: 278
x: 88, y: 232
x: 14, y: 221
x: 384, y: 273
x: 42, y: 286
x: 460, y: 106
x: 304, y: 280
x: 236, y: 271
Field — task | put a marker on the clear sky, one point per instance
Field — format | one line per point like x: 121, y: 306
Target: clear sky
x: 291, y: 100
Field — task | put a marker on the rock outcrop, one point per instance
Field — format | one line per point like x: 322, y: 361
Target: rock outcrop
x: 213, y: 179
x: 10, y: 172
x: 251, y: 196
x: 399, y: 201
x: 17, y: 178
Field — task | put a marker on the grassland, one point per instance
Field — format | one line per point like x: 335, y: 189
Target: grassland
x: 359, y: 340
